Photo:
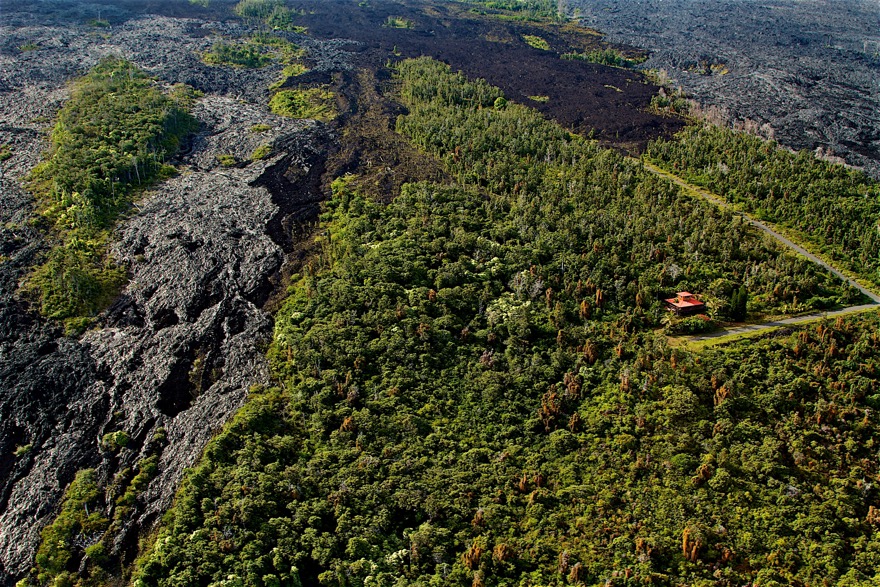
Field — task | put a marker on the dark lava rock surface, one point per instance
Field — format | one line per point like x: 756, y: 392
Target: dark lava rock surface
x: 808, y: 68
x: 186, y: 340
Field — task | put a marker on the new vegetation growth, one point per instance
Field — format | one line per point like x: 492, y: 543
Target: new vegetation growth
x: 258, y: 51
x: 273, y: 14
x: 237, y: 55
x: 111, y: 139
x: 529, y: 10
x: 609, y: 56
x: 317, y: 103
x: 398, y: 22
x: 536, y: 42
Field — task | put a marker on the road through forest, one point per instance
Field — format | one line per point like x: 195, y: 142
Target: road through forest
x: 748, y: 328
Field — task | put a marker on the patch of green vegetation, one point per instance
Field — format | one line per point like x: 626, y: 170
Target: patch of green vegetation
x: 261, y: 152
x: 398, y: 22
x: 75, y: 550
x: 271, y: 13
x: 835, y: 208
x: 110, y: 140
x: 78, y: 279
x: 237, y: 55
x: 541, y: 99
x: 672, y: 102
x: 227, y: 160
x: 258, y: 9
x: 283, y: 50
x: 609, y: 56
x: 184, y: 96
x: 258, y: 128
x: 293, y: 70
x: 471, y: 390
x: 517, y: 10
x: 115, y: 441
x: 29, y: 46
x: 99, y: 23
x: 202, y: 3
x: 316, y: 103
x: 75, y: 523
x: 536, y: 42
x: 257, y: 51
x: 5, y: 152
x: 22, y: 450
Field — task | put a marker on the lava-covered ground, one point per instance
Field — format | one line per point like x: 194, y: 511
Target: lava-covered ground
x: 611, y: 102
x: 808, y: 68
x: 582, y: 96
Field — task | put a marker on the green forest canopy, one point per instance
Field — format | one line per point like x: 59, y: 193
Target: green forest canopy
x: 835, y: 209
x: 470, y: 392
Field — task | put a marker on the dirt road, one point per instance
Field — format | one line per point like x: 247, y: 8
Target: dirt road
x: 718, y: 201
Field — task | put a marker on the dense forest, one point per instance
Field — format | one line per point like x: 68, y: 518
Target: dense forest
x: 470, y: 392
x: 835, y: 209
x: 110, y: 140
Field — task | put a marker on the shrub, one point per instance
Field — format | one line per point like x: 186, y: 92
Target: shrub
x: 536, y: 42
x: 693, y: 325
x: 398, y: 22
x: 115, y: 441
x: 74, y: 521
x: 609, y: 56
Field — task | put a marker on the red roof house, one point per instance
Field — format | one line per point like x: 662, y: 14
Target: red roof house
x: 685, y: 304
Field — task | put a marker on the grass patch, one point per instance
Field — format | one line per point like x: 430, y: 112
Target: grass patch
x: 281, y: 49
x: 22, y: 450
x: 260, y: 128
x: 29, y: 46
x: 536, y: 42
x: 541, y: 99
x: 261, y: 152
x: 5, y: 152
x: 227, y: 160
x: 314, y: 103
x: 99, y: 23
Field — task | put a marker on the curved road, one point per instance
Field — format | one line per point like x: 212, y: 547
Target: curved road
x: 786, y: 242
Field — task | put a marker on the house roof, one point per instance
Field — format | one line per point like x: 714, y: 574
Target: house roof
x: 685, y: 299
